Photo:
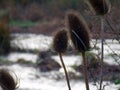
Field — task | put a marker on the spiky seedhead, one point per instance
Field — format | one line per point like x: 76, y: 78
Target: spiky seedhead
x: 7, y: 82
x: 78, y: 31
x: 60, y: 41
x: 100, y: 7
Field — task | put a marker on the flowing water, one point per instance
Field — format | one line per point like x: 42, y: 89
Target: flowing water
x: 32, y: 79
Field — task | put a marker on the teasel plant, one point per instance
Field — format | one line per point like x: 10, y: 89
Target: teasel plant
x: 7, y: 81
x: 60, y: 43
x: 79, y: 34
x: 100, y: 8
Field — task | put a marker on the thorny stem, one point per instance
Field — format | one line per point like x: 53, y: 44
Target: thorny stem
x: 66, y: 74
x: 94, y: 80
x: 102, y: 52
x: 113, y: 30
x: 116, y: 60
x: 85, y: 71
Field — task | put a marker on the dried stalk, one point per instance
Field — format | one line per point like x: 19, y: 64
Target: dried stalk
x: 66, y: 75
x: 102, y: 52
x: 85, y: 70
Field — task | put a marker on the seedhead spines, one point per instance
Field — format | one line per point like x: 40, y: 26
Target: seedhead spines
x: 100, y: 7
x: 60, y: 41
x: 7, y: 81
x: 78, y: 31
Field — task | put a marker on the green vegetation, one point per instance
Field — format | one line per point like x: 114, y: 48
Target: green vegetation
x: 2, y: 11
x: 23, y: 61
x: 19, y: 23
x: 3, y: 60
x: 117, y: 82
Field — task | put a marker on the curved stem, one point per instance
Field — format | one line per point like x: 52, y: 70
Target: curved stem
x: 102, y: 51
x: 67, y: 78
x: 85, y: 71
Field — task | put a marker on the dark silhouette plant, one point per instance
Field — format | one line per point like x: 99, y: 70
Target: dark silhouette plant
x: 4, y: 34
x: 79, y: 34
x: 101, y: 8
x: 60, y: 43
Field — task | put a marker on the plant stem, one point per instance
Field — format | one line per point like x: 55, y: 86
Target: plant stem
x: 102, y: 51
x: 85, y: 70
x: 66, y: 74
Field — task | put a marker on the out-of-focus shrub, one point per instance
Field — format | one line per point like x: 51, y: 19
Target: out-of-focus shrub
x: 4, y: 34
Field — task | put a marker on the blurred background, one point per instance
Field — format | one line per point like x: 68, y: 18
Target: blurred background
x: 26, y: 31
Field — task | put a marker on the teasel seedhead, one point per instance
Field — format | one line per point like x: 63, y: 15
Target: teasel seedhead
x: 7, y: 81
x: 100, y: 7
x: 78, y: 31
x: 60, y: 41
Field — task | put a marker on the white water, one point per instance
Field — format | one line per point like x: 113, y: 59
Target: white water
x: 32, y: 79
x: 31, y: 42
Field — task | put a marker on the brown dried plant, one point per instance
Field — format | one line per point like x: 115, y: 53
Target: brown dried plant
x: 60, y: 43
x: 79, y: 34
x: 7, y: 81
x: 100, y: 7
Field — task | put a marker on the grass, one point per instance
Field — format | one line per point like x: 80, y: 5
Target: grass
x: 26, y: 23
x: 3, y: 12
x: 23, y: 61
x: 3, y: 61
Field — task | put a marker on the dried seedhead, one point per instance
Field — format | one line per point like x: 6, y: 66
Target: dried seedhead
x: 60, y: 41
x: 100, y: 7
x: 78, y: 31
x: 7, y: 81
